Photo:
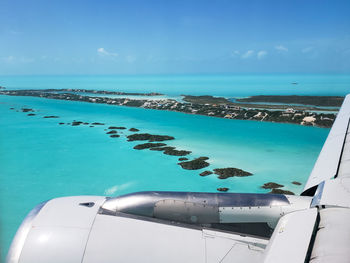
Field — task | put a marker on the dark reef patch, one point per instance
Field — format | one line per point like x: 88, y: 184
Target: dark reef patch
x: 281, y: 192
x: 149, y: 137
x: 195, y: 164
x: 111, y: 132
x: 271, y: 185
x: 50, y: 117
x: 134, y: 130
x: 77, y: 123
x: 183, y: 159
x: 26, y: 110
x: 174, y: 152
x: 97, y: 123
x: 296, y: 183
x: 148, y: 145
x: 206, y: 173
x: 116, y: 128
x: 225, y: 173
x: 31, y: 114
x: 223, y: 189
x: 157, y: 148
x: 114, y: 136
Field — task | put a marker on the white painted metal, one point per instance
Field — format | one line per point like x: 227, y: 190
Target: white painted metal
x: 67, y: 212
x: 120, y: 239
x: 60, y: 230
x: 54, y: 244
x: 326, y: 165
x: 344, y: 168
x: 333, y: 237
x: 224, y: 247
x: 335, y: 192
x: 290, y: 240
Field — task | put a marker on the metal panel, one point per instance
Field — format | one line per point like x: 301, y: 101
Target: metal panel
x: 344, y: 167
x: 334, y: 193
x: 21, y: 235
x: 120, y: 239
x: 221, y: 247
x: 186, y: 212
x: 290, y: 240
x: 66, y: 211
x: 59, y: 229
x: 54, y: 245
x: 333, y: 237
x: 327, y: 163
x: 143, y: 203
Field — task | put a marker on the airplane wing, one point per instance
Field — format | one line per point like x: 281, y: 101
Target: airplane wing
x: 201, y: 227
x: 329, y: 184
x: 333, y: 160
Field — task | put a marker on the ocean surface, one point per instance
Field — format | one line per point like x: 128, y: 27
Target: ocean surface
x: 41, y: 159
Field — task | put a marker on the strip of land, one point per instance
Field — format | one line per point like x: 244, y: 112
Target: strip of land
x: 327, y: 101
x: 201, y: 105
x: 94, y: 91
x: 206, y: 99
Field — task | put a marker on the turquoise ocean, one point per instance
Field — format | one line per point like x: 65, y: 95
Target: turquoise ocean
x: 41, y: 159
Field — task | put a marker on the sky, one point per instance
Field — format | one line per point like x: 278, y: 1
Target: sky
x: 174, y: 37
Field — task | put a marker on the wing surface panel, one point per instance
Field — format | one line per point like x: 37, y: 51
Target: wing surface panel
x: 328, y: 163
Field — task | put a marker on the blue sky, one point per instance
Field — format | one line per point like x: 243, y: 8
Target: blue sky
x: 174, y: 37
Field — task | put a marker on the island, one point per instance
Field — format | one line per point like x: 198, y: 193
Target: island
x: 149, y: 137
x: 202, y: 105
x: 225, y: 173
x: 280, y: 192
x: 195, y: 164
x: 271, y: 185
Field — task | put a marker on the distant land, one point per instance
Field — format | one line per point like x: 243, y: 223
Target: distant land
x: 211, y: 100
x: 200, y: 105
x: 327, y: 101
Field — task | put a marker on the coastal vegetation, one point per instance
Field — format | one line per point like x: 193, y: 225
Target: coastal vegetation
x: 225, y: 173
x: 327, y: 101
x: 275, y: 188
x: 202, y: 105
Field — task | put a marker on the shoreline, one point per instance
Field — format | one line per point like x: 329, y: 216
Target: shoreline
x: 291, y: 114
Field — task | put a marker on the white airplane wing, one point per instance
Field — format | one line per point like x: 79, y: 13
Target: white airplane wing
x: 201, y: 227
x: 329, y: 184
x: 333, y: 160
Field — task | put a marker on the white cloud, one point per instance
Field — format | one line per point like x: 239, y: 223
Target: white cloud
x: 281, y: 48
x: 247, y: 54
x: 102, y: 52
x: 307, y: 49
x: 261, y: 54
